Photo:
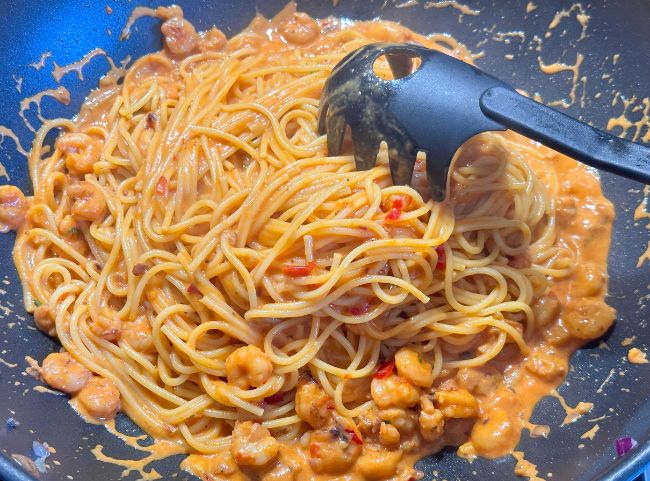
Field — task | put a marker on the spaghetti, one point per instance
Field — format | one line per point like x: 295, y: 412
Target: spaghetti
x: 211, y: 272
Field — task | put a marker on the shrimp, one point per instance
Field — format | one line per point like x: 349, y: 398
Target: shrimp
x: 63, y: 373
x: 81, y: 151
x: 13, y: 208
x: 248, y: 366
x: 100, y: 397
x: 252, y: 444
x: 88, y: 202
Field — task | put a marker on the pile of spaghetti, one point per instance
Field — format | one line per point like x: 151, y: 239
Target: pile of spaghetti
x: 192, y: 245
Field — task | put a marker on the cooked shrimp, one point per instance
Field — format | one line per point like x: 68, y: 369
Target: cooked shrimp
x: 394, y: 391
x: 252, y: 444
x: 88, y: 202
x: 81, y: 151
x: 332, y: 450
x: 137, y: 334
x: 100, y: 398
x: 313, y: 405
x: 44, y: 320
x: 13, y: 208
x: 411, y: 365
x: 248, y: 366
x: 180, y: 36
x: 457, y: 403
x: 107, y: 325
x: 299, y: 28
x: 378, y: 463
x: 431, y: 420
x: 63, y: 373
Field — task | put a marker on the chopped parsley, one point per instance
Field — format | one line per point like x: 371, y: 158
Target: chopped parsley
x: 73, y: 231
x: 386, y: 421
x: 38, y: 303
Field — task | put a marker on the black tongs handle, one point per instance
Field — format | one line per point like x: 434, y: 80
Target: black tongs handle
x: 566, y: 134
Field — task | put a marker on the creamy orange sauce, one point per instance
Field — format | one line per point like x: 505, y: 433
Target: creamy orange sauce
x: 574, y: 312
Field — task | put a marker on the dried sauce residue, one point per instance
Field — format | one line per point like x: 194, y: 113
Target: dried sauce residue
x: 156, y: 451
x: 637, y: 130
x: 525, y: 468
x: 581, y: 17
x: 628, y: 340
x: 637, y: 356
x: 572, y: 414
x: 19, y: 83
x: 591, y: 434
x: 7, y: 132
x: 558, y: 67
x: 537, y: 430
x: 462, y: 8
x: 41, y: 63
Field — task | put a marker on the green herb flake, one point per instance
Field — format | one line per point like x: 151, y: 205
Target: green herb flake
x: 420, y: 360
x: 73, y: 231
x: 386, y: 421
x: 38, y: 303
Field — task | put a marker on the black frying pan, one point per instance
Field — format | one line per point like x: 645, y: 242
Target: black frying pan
x: 71, y: 28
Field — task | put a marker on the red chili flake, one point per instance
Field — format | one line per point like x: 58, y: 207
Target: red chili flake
x: 359, y: 309
x: 398, y: 203
x: 294, y: 270
x: 192, y: 289
x: 274, y: 398
x: 354, y: 436
x: 442, y: 259
x: 330, y: 405
x: 314, y: 449
x: 393, y: 214
x: 385, y: 370
x: 161, y: 186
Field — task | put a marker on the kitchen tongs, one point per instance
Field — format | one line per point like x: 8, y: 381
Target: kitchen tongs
x: 439, y: 106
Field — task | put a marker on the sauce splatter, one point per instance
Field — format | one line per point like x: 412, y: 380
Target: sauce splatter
x: 572, y: 413
x: 7, y: 132
x: 61, y: 71
x: 156, y: 451
x: 591, y: 433
x: 558, y: 67
x: 525, y: 468
x: 41, y: 63
x: 60, y: 94
x: 581, y: 17
x: 462, y: 8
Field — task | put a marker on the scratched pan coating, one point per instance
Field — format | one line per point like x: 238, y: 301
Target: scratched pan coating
x: 72, y: 28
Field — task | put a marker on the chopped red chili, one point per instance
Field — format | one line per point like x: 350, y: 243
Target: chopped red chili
x: 294, y: 270
x: 314, y: 449
x: 330, y: 405
x: 161, y: 186
x: 354, y: 436
x: 385, y: 370
x: 192, y: 289
x: 359, y: 309
x: 442, y: 258
x: 396, y: 209
x: 274, y: 398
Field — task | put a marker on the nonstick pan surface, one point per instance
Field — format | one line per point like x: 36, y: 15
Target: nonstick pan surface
x: 616, y: 66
